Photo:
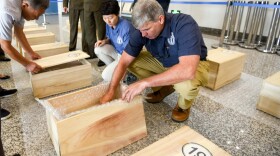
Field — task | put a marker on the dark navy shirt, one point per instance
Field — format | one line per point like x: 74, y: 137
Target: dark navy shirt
x: 180, y: 37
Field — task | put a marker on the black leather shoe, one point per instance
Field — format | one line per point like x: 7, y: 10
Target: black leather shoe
x: 4, y: 58
x: 5, y: 114
x: 100, y: 63
x: 5, y: 77
x: 7, y: 92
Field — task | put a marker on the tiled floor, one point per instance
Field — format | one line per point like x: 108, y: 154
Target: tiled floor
x: 227, y: 117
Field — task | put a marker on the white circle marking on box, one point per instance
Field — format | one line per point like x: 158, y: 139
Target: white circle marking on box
x: 194, y: 149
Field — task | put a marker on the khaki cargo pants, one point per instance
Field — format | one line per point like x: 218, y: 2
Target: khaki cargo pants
x: 145, y: 65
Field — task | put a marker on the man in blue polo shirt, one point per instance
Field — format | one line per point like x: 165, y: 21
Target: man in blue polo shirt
x: 176, y: 59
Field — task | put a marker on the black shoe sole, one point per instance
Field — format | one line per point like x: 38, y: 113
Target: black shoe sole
x: 7, y: 95
x: 6, y: 117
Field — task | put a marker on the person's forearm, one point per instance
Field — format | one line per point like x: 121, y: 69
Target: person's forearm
x: 23, y: 41
x: 14, y: 54
x: 120, y: 70
x: 117, y: 77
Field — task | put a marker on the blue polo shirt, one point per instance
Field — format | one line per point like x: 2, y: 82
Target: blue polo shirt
x: 119, y: 36
x: 180, y: 37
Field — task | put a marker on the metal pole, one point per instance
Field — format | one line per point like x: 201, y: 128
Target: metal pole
x: 232, y: 24
x: 45, y: 22
x: 252, y: 27
x: 277, y: 47
x: 239, y: 23
x: 263, y: 18
x: 231, y: 9
x: 229, y: 4
x: 268, y: 48
x: 249, y: 43
x: 257, y: 25
x: 246, y: 23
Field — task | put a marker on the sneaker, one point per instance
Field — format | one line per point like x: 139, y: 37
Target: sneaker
x: 5, y: 114
x: 4, y: 58
x: 7, y: 92
x: 100, y: 63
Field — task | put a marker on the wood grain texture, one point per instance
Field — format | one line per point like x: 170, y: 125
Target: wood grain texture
x: 99, y: 130
x: 34, y: 30
x: 49, y: 49
x: 172, y: 144
x: 61, y: 58
x: 62, y: 79
x: 30, y: 24
x: 225, y: 67
x: 40, y: 38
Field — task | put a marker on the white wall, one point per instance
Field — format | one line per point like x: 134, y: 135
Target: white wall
x: 212, y: 16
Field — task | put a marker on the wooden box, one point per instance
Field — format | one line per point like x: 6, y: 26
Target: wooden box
x: 184, y: 141
x: 269, y: 100
x: 80, y: 126
x: 62, y: 73
x: 34, y: 30
x: 49, y: 49
x: 40, y: 38
x: 225, y: 67
x: 30, y: 24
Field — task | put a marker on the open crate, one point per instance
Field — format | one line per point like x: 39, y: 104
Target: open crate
x: 80, y: 126
x: 63, y: 72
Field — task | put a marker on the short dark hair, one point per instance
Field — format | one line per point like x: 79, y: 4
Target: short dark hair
x: 110, y: 7
x: 37, y: 4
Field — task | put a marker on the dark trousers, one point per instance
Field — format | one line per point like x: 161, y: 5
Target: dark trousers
x: 74, y: 16
x: 1, y: 145
x: 1, y: 52
x: 94, y: 23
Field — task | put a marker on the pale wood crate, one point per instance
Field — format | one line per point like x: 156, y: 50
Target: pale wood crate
x: 30, y: 24
x: 34, y: 30
x: 173, y: 145
x: 40, y: 38
x: 62, y: 73
x: 49, y: 49
x: 269, y: 99
x: 80, y: 126
x: 225, y: 67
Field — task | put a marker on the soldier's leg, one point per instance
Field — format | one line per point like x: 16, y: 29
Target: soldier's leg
x: 74, y: 23
x: 84, y: 42
x: 90, y: 29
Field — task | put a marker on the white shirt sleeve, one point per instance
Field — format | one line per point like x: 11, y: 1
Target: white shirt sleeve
x: 6, y: 25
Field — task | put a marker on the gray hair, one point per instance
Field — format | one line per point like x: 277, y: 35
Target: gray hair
x: 146, y: 11
x: 37, y: 4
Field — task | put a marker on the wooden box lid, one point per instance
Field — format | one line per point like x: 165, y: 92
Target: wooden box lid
x: 54, y: 45
x: 61, y: 58
x: 221, y: 55
x: 274, y: 79
x: 39, y: 35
